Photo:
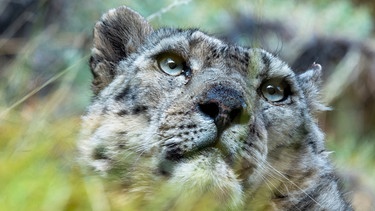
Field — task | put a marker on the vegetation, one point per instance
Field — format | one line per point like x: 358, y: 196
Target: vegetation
x: 45, y: 86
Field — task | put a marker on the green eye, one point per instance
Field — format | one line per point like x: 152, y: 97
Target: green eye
x: 171, y: 64
x: 275, y: 90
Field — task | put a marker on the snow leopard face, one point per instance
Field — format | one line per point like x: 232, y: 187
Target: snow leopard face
x: 191, y: 112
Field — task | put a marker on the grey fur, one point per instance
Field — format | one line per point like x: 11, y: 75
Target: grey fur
x: 210, y: 130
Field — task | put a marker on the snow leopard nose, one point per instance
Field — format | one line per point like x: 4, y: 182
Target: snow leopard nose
x: 222, y: 104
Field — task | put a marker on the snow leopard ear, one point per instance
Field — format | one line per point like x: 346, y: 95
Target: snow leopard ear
x: 118, y: 34
x: 310, y: 82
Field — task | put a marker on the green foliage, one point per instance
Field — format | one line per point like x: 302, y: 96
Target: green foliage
x: 41, y: 99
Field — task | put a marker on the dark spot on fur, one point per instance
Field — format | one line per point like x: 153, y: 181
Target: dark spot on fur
x: 312, y: 144
x: 266, y: 61
x: 191, y: 126
x: 123, y: 94
x: 279, y: 195
x: 215, y: 54
x: 257, y: 134
x: 123, y: 113
x: 328, y: 177
x: 222, y: 50
x: 249, y: 143
x: 99, y: 153
x: 234, y: 57
x: 121, y: 146
x: 122, y: 133
x: 247, y: 56
x: 252, y: 129
x: 139, y: 109
x: 163, y: 172
x: 266, y: 108
x: 174, y: 153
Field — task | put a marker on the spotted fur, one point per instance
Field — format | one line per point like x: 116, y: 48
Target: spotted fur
x: 209, y: 130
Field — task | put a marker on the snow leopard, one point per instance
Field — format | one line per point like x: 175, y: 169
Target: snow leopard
x: 179, y: 117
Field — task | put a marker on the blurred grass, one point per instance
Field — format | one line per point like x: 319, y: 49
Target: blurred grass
x: 45, y: 88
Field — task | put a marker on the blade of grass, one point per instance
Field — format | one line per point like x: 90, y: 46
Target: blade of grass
x: 33, y: 92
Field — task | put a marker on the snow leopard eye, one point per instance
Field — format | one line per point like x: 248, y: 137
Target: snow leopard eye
x: 275, y: 90
x: 171, y: 64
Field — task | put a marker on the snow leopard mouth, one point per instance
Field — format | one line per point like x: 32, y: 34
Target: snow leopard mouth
x: 168, y: 163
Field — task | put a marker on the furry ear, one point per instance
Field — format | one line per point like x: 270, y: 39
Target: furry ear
x: 118, y: 34
x: 310, y: 82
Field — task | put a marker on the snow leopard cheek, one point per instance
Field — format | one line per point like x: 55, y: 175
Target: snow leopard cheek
x: 283, y: 125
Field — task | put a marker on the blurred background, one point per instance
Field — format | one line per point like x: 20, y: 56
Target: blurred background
x: 45, y: 84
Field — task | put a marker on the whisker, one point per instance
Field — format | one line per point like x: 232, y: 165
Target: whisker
x: 290, y: 181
